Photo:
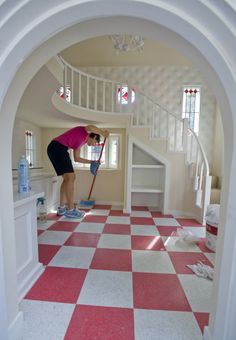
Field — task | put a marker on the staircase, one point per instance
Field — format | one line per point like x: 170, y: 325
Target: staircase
x: 95, y: 99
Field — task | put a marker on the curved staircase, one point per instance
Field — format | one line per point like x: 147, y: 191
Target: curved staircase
x: 95, y: 100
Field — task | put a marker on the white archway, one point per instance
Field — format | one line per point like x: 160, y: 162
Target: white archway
x: 213, y: 54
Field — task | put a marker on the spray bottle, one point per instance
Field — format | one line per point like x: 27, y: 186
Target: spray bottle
x: 23, y: 175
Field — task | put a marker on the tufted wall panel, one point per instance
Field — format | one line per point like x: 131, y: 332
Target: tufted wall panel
x: 164, y: 84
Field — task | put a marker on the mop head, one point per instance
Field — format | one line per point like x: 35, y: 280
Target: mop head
x: 87, y: 203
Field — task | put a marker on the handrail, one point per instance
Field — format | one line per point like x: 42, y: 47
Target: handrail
x: 115, y: 82
x: 204, y: 157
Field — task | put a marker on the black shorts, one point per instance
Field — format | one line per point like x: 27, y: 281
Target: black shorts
x: 60, y: 158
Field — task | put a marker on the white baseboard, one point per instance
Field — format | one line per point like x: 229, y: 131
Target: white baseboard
x: 183, y: 214
x: 29, y: 281
x: 206, y: 334
x: 16, y: 327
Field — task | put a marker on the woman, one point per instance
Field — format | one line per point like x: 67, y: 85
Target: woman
x: 59, y: 156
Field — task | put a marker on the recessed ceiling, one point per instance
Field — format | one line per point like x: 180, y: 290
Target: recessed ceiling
x: 100, y: 52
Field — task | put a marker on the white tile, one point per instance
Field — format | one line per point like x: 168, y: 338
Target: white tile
x: 73, y: 257
x: 107, y: 288
x: 137, y: 213
x: 211, y: 257
x: 198, y: 291
x: 98, y: 212
x: 163, y: 221
x: 87, y: 227
x: 111, y: 241
x: 144, y: 230
x: 53, y: 237
x: 45, y: 320
x: 118, y: 219
x: 148, y: 261
x: 176, y: 244
x: 46, y: 225
x: 165, y: 325
x: 197, y: 231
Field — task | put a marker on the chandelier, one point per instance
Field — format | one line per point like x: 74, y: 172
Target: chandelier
x: 127, y: 42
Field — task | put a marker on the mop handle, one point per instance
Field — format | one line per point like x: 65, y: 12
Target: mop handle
x: 94, y: 177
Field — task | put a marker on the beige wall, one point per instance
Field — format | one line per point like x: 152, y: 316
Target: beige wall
x: 218, y: 157
x: 109, y: 185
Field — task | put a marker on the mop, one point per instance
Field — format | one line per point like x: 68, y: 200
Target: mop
x: 93, y: 168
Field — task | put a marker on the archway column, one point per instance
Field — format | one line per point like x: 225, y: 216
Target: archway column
x: 211, y: 48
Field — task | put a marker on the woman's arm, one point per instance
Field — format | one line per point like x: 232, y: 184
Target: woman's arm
x: 95, y: 129
x: 77, y: 158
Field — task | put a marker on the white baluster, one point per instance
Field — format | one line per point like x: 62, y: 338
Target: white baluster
x: 80, y: 89
x: 96, y: 95
x: 87, y: 93
x: 104, y: 96
x: 72, y: 87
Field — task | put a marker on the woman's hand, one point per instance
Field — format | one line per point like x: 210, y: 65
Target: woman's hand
x: 105, y: 133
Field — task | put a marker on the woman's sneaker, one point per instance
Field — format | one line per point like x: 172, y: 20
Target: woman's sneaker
x: 74, y: 213
x: 61, y: 211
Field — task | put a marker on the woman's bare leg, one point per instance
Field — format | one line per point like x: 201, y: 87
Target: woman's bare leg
x: 67, y: 190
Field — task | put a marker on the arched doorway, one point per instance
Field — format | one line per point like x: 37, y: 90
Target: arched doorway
x: 28, y: 47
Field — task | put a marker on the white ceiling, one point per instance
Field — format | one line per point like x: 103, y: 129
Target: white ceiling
x: 36, y: 106
x: 100, y: 52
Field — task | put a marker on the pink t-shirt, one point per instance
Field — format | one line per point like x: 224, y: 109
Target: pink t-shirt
x: 73, y: 138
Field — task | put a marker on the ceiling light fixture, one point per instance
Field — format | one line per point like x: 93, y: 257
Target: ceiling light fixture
x: 127, y: 42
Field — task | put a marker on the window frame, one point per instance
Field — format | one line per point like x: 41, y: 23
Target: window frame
x: 30, y: 148
x: 107, y: 151
x: 119, y: 97
x: 197, y: 107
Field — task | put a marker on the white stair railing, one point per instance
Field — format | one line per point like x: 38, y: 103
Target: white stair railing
x: 100, y: 95
x: 197, y: 160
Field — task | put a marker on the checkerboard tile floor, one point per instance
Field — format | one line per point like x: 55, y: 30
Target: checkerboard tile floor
x: 118, y: 276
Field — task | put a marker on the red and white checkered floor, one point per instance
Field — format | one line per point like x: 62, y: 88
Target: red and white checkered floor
x: 118, y: 276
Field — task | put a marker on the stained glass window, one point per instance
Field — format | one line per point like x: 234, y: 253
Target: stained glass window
x: 123, y: 93
x: 191, y: 106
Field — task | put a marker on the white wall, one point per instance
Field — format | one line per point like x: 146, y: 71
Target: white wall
x: 212, y: 48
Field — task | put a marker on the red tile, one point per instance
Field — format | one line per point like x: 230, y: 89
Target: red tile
x: 159, y: 214
x: 109, y: 259
x: 58, y: 285
x: 139, y: 242
x: 40, y: 232
x: 118, y: 213
x: 202, y: 319
x: 102, y: 206
x: 83, y: 240
x: 53, y: 216
x: 64, y: 226
x: 95, y: 219
x: 159, y: 291
x: 47, y: 252
x: 181, y: 259
x: 101, y: 323
x: 142, y: 220
x: 202, y: 246
x: 167, y: 231
x: 135, y: 208
x: 188, y: 222
x: 123, y: 229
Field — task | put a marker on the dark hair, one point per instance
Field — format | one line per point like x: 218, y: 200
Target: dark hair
x: 96, y: 136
